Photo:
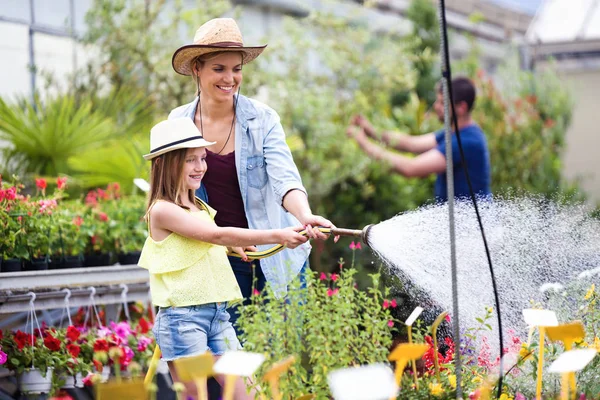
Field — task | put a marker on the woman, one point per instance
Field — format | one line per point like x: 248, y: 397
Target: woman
x: 252, y: 180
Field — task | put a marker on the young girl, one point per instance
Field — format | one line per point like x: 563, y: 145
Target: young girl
x: 190, y: 277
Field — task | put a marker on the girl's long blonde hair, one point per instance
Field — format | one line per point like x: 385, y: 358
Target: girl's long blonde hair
x: 166, y: 177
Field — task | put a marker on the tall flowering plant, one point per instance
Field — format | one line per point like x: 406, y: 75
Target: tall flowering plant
x: 326, y: 321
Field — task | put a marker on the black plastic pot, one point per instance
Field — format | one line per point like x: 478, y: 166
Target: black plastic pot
x: 129, y: 258
x: 97, y: 260
x: 72, y: 262
x: 12, y: 265
x: 55, y: 263
x: 37, y: 264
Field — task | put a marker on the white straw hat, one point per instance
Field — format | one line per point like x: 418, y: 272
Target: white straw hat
x: 219, y: 34
x: 173, y: 134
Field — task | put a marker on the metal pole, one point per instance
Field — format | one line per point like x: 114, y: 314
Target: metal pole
x: 450, y: 184
x: 32, y: 68
x: 72, y: 12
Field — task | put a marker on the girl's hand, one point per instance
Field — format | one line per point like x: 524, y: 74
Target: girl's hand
x: 313, y: 222
x: 290, y: 238
x: 242, y: 251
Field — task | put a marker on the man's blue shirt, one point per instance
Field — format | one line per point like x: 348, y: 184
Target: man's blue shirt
x: 477, y: 159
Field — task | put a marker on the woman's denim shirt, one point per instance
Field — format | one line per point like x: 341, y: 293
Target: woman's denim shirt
x: 266, y: 172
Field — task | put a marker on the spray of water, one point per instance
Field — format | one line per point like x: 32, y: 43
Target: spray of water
x: 532, y: 242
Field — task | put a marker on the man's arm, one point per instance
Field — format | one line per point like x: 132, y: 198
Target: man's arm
x: 398, y: 141
x: 429, y: 162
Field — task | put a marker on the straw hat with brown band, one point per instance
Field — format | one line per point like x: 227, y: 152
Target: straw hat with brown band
x: 219, y: 34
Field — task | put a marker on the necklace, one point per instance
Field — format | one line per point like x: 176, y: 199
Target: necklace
x: 199, y: 107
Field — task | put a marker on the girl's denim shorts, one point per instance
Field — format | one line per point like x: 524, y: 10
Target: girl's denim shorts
x: 192, y: 330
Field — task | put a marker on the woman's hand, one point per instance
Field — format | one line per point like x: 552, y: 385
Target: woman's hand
x: 242, y: 251
x: 290, y: 238
x: 313, y: 222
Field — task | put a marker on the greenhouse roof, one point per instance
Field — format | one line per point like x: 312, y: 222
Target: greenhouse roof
x: 566, y: 21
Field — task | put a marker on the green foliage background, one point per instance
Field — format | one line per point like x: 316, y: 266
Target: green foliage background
x: 316, y: 73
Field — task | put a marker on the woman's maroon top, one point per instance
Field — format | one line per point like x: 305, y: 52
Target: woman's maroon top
x: 223, y: 190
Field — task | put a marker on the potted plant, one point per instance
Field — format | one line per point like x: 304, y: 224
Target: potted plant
x: 70, y: 366
x: 36, y: 227
x: 32, y: 357
x: 100, y: 244
x: 130, y: 231
x: 12, y: 248
x: 69, y: 241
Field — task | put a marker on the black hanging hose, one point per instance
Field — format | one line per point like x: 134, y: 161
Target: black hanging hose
x: 447, y: 74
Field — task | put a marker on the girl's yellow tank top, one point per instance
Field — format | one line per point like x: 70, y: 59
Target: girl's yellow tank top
x: 187, y: 272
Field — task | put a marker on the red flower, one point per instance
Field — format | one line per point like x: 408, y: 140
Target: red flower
x: 22, y: 339
x: 323, y: 276
x: 1, y: 334
x: 73, y: 349
x: 447, y: 318
x: 393, y: 303
x: 73, y: 333
x: 255, y: 292
x: 332, y: 292
x: 41, y: 183
x: 390, y: 323
x: 103, y: 217
x: 78, y: 220
x: 144, y: 326
x: 386, y: 304
x: 334, y: 277
x: 61, y: 183
x: 52, y: 343
x: 61, y: 396
x: 101, y: 345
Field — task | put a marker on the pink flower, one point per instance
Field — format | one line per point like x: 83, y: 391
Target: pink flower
x: 3, y: 357
x: 323, y: 276
x: 46, y: 206
x: 334, y: 277
x: 143, y: 343
x: 61, y: 183
x: 332, y: 292
x: 390, y: 323
x: 358, y: 246
x: 41, y: 183
x: 78, y: 220
x: 474, y: 395
x: 386, y: 304
x: 103, y: 332
x: 352, y: 246
x: 103, y: 217
x: 122, y: 330
x: 255, y: 292
x: 10, y: 193
x: 519, y: 396
x: 393, y: 303
x: 88, y: 380
x: 447, y: 318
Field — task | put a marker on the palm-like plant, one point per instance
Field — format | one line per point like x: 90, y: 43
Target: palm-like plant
x: 119, y: 161
x: 43, y: 136
x: 76, y: 135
